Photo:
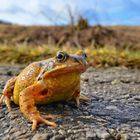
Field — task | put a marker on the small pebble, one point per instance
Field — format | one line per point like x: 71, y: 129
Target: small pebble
x: 40, y: 136
x: 58, y: 137
x: 62, y: 132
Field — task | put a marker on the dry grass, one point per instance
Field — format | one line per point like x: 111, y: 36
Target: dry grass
x: 98, y: 57
x: 118, y: 36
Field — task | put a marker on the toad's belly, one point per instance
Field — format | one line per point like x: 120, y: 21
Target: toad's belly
x: 60, y: 88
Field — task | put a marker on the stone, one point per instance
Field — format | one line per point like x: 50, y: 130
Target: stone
x: 40, y: 136
x: 62, y: 132
x: 90, y: 134
x: 17, y: 134
x: 58, y: 137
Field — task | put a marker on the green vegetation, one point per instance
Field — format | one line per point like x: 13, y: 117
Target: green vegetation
x: 98, y: 57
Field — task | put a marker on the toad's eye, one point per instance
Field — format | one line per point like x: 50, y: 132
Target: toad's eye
x: 61, y: 56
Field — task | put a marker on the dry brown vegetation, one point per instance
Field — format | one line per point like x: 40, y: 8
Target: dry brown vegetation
x: 118, y: 36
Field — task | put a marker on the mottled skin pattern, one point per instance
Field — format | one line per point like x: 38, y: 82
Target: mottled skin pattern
x: 43, y: 82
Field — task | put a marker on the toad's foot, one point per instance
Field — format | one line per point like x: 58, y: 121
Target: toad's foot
x: 84, y: 98
x: 8, y: 92
x: 48, y: 116
x: 38, y: 119
x: 78, y: 98
x: 6, y: 99
x: 1, y: 99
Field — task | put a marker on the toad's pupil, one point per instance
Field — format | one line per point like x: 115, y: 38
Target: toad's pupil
x: 60, y: 56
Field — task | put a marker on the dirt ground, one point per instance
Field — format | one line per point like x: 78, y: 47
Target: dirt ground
x: 112, y: 114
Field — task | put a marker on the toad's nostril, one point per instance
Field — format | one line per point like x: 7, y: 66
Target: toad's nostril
x: 80, y: 59
x: 84, y: 55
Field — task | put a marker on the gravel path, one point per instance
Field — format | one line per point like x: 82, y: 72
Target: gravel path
x: 112, y: 114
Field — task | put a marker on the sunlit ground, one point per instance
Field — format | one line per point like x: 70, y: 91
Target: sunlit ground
x: 98, y: 57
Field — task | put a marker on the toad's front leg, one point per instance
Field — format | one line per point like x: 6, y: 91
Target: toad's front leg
x: 77, y: 97
x: 27, y: 104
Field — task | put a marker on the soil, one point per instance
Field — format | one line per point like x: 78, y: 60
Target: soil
x: 112, y: 114
x: 118, y: 36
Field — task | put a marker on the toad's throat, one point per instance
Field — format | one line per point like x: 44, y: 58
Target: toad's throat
x: 64, y: 70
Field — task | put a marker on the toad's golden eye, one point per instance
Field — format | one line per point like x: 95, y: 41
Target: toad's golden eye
x: 61, y: 56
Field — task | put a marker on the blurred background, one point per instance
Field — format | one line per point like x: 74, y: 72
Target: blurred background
x: 57, y: 12
x: 108, y: 30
